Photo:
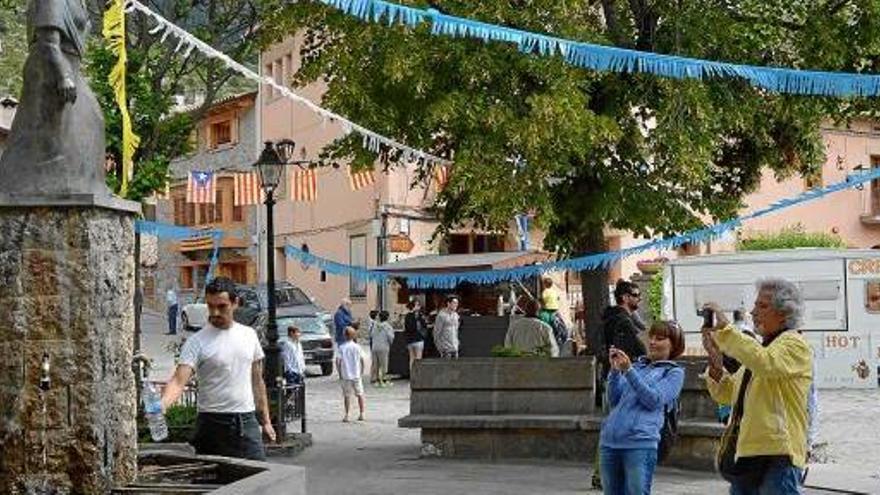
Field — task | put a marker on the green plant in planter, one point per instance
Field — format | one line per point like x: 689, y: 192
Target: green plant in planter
x: 515, y: 352
x: 790, y: 238
x: 502, y: 351
x: 181, y: 422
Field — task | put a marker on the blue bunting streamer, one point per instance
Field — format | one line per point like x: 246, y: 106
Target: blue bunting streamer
x: 450, y: 280
x: 176, y: 232
x: 613, y: 59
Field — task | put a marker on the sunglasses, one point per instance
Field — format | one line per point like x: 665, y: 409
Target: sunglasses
x: 635, y: 294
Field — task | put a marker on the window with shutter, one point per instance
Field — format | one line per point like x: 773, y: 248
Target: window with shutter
x: 179, y: 211
x: 218, y: 207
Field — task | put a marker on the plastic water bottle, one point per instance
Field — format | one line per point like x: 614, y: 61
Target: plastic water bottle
x: 153, y: 411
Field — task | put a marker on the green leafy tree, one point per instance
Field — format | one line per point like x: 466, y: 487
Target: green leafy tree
x: 13, y: 46
x: 596, y: 150
x: 155, y: 74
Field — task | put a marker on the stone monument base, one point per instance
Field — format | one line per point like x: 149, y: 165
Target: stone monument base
x: 66, y: 301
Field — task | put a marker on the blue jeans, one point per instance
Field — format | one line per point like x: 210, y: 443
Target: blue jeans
x: 779, y: 480
x: 627, y: 471
x: 230, y: 435
x: 172, y: 318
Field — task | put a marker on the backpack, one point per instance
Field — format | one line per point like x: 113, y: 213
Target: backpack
x: 669, y: 430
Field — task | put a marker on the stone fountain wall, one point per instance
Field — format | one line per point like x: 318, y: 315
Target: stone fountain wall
x: 66, y: 289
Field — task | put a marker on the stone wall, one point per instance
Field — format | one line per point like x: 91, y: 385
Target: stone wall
x: 66, y: 290
x: 496, y: 408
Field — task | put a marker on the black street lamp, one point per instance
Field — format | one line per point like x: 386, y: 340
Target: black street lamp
x: 270, y: 166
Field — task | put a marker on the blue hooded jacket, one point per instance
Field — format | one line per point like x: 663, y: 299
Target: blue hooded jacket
x: 638, y: 398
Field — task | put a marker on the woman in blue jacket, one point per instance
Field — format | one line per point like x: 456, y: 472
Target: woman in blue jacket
x: 638, y: 393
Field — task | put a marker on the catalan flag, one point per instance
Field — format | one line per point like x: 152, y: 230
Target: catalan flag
x: 304, y: 185
x: 201, y: 187
x: 360, y: 180
x: 441, y: 176
x: 247, y: 189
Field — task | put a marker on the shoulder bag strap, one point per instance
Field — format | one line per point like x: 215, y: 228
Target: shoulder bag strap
x: 741, y: 397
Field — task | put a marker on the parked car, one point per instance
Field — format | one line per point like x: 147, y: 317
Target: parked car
x: 317, y: 344
x: 253, y: 305
x: 194, y: 315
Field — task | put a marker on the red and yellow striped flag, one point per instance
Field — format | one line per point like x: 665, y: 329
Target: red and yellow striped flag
x: 360, y: 180
x: 441, y: 176
x: 304, y: 185
x: 247, y: 189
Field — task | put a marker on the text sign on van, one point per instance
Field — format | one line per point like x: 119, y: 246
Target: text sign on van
x: 864, y: 267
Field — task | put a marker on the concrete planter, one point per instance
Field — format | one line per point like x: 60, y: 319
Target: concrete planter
x: 501, y: 408
x: 230, y: 476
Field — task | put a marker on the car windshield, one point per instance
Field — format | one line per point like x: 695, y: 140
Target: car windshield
x: 306, y: 324
x: 284, y: 296
x: 291, y: 296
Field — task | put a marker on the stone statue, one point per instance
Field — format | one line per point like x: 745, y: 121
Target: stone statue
x: 56, y: 144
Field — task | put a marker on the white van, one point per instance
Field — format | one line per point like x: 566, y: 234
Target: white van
x: 841, y: 289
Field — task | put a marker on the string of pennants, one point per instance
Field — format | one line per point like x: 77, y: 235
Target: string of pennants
x: 453, y: 279
x: 201, y: 185
x: 179, y: 233
x: 450, y: 280
x: 613, y: 59
x: 371, y: 141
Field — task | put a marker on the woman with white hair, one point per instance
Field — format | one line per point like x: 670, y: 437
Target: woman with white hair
x: 764, y: 449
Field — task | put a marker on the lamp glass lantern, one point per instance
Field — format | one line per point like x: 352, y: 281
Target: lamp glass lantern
x: 270, y: 166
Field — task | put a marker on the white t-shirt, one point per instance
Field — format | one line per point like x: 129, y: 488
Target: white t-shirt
x: 350, y: 360
x: 222, y: 360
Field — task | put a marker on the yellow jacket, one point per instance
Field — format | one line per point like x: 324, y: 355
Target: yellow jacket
x: 775, y: 418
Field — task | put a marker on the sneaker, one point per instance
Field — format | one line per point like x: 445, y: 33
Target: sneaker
x: 596, y: 482
x: 361, y: 418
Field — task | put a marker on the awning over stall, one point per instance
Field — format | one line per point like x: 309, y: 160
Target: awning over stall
x: 439, y: 263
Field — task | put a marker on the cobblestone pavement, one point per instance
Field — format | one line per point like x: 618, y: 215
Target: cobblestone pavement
x: 377, y: 457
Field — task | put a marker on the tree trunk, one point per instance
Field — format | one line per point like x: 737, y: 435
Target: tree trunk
x: 594, y: 285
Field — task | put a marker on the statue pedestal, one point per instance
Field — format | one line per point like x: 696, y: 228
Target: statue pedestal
x: 66, y: 292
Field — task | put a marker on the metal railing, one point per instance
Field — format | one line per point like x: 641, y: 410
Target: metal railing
x: 292, y: 405
x: 291, y: 408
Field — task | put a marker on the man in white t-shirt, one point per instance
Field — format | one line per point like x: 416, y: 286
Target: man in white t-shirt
x: 350, y: 363
x: 228, y: 360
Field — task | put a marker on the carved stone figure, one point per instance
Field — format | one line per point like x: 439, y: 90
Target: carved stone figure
x: 56, y: 144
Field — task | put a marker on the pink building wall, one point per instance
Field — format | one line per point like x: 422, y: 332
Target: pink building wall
x: 840, y: 213
x: 338, y: 213
x: 845, y: 213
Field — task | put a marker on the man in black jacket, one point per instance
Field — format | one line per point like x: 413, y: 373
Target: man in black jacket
x: 619, y: 329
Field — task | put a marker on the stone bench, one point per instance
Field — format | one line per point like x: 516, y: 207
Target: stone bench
x: 502, y: 408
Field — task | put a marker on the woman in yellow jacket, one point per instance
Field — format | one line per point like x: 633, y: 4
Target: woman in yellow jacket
x: 771, y: 430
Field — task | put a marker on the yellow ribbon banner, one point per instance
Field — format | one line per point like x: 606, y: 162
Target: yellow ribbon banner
x: 114, y: 34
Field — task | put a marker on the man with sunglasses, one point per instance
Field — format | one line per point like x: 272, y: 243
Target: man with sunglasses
x: 619, y: 326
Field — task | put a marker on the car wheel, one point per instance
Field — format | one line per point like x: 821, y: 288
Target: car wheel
x: 326, y: 369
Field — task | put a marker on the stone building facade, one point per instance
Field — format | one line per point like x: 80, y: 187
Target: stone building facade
x: 224, y: 142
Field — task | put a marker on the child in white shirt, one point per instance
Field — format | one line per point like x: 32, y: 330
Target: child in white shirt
x: 350, y: 363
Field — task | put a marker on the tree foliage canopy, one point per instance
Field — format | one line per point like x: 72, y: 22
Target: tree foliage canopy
x: 594, y: 150
x: 628, y: 151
